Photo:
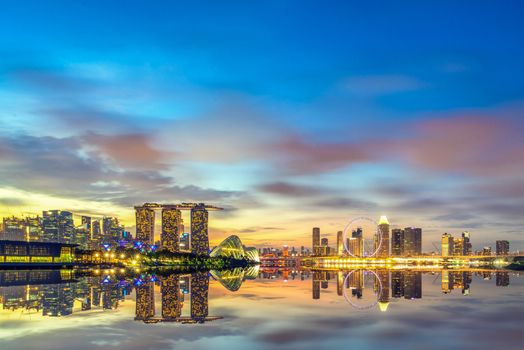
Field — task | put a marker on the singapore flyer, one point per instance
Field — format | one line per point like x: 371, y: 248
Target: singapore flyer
x: 362, y: 238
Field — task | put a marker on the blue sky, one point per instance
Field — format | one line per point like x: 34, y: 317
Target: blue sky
x: 291, y: 114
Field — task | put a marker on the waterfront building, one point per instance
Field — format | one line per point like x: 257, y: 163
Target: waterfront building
x: 486, y: 251
x: 447, y: 245
x: 316, y: 241
x: 14, y: 229
x: 199, y: 230
x: 412, y: 241
x: 397, y: 242
x: 170, y: 236
x: 57, y: 226
x: 382, y: 238
x: 34, y: 229
x: 467, y: 247
x: 340, y: 243
x: 502, y: 247
x: 145, y: 225
x: 458, y: 246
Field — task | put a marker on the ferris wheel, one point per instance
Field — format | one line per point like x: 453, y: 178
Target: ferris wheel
x: 369, y: 246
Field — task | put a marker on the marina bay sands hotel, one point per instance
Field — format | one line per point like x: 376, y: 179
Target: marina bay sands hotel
x: 172, y: 225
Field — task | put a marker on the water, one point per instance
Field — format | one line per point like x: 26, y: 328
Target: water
x: 266, y: 309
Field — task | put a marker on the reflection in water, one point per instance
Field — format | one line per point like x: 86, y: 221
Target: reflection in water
x: 60, y: 292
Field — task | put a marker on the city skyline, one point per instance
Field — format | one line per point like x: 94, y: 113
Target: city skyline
x: 291, y: 115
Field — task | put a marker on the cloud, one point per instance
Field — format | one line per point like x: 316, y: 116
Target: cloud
x: 288, y: 189
x: 377, y: 85
x: 12, y: 202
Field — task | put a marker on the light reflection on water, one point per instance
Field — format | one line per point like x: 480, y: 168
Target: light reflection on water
x: 254, y: 309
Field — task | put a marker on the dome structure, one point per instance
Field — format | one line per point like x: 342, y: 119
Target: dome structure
x: 232, y: 247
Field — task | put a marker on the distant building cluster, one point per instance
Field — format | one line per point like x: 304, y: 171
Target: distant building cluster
x: 58, y: 226
x: 461, y: 246
x: 397, y: 242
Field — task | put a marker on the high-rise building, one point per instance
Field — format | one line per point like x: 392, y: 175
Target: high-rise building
x: 458, y: 246
x: 58, y: 226
x: 486, y: 251
x: 356, y: 243
x: 14, y: 229
x: 170, y: 237
x: 340, y: 243
x: 145, y: 225
x: 467, y: 249
x: 96, y: 235
x: 502, y: 247
x: 382, y: 245
x: 34, y: 229
x: 316, y: 241
x: 324, y: 247
x: 397, y: 242
x: 447, y: 244
x: 397, y: 284
x: 199, y: 230
x: 412, y: 241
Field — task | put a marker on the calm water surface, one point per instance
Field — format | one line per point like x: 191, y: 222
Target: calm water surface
x: 266, y: 309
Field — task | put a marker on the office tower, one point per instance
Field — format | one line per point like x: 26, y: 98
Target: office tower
x: 397, y: 242
x: 412, y: 241
x: 447, y: 244
x: 383, y: 232
x: 324, y: 247
x: 112, y: 231
x: 467, y: 248
x: 285, y: 251
x: 96, y: 235
x: 316, y: 241
x: 58, y: 226
x: 145, y: 225
x: 34, y: 229
x: 199, y: 230
x: 145, y: 301
x: 170, y: 237
x: 86, y: 221
x: 356, y: 243
x: 486, y: 251
x: 458, y: 246
x: 502, y: 247
x: 81, y: 237
x: 14, y: 229
x: 340, y: 243
x: 199, y: 296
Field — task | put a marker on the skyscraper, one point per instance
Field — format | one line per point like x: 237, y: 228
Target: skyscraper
x: 458, y: 246
x: 145, y: 225
x: 397, y: 242
x: 14, y: 229
x: 199, y: 296
x: 447, y: 244
x: 412, y: 241
x: 467, y: 249
x: 170, y: 237
x: 383, y: 231
x: 58, y: 226
x: 502, y: 247
x: 316, y: 240
x: 356, y: 243
x: 340, y: 243
x: 34, y: 229
x: 199, y: 230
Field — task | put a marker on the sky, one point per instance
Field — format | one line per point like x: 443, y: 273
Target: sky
x: 289, y: 114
